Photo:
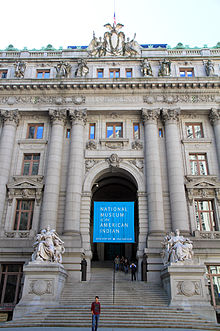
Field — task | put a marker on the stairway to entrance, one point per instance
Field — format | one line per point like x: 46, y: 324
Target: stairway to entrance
x: 123, y: 304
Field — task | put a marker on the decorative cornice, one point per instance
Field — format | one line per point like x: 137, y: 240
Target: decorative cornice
x: 150, y: 115
x: 58, y: 116
x: 10, y: 116
x: 171, y: 115
x: 214, y: 115
x: 78, y: 116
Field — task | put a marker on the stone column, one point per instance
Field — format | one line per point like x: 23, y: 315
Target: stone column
x: 215, y: 120
x: 178, y: 204
x: 10, y: 120
x: 153, y: 171
x: 53, y: 173
x: 75, y: 172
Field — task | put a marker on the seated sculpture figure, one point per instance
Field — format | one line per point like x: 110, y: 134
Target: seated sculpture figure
x: 176, y: 248
x: 48, y: 247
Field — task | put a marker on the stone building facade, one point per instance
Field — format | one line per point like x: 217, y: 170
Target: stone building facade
x: 116, y: 121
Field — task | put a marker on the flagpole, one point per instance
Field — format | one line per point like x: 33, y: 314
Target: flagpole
x: 114, y: 14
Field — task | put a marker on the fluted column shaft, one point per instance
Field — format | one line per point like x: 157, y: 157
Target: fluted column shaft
x: 75, y: 172
x: 178, y: 204
x: 153, y: 171
x: 53, y: 173
x: 10, y: 120
x: 215, y: 120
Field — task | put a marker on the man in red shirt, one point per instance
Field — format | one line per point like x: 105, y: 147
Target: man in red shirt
x: 96, y: 309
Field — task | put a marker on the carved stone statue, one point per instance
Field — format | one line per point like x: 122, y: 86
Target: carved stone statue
x: 63, y: 69
x: 165, y: 68
x: 48, y: 247
x: 113, y: 43
x: 19, y: 69
x: 82, y: 70
x: 176, y: 248
x: 209, y: 68
x: 146, y: 68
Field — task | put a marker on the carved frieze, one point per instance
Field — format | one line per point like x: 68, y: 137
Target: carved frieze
x: 138, y: 164
x: 78, y: 116
x: 91, y: 145
x: 35, y: 100
x: 137, y: 145
x: 188, y: 288
x: 113, y: 160
x: 58, y: 116
x: 150, y: 115
x: 90, y: 163
x: 41, y: 286
x: 171, y: 115
x: 180, y: 98
x: 113, y: 144
x: 10, y: 116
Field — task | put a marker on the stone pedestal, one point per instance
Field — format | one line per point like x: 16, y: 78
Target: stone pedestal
x: 186, y: 288
x: 43, y: 285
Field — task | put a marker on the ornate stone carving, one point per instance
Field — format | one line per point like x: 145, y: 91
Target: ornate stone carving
x: 91, y: 145
x: 137, y: 145
x: 10, y: 116
x: 150, y: 115
x: 58, y: 116
x: 78, y: 116
x: 90, y: 163
x: 63, y: 70
x: 209, y: 68
x: 165, y: 68
x: 113, y: 160
x: 41, y: 286
x: 171, y: 115
x: 138, y: 164
x: 82, y: 69
x: 48, y: 247
x: 10, y: 234
x: 113, y: 43
x: 35, y: 100
x: 189, y: 288
x: 214, y: 115
x: 78, y: 100
x: 176, y: 248
x: 146, y: 68
x: 181, y: 98
x: 20, y: 67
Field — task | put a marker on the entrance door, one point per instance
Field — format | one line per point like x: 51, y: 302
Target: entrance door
x: 112, y: 250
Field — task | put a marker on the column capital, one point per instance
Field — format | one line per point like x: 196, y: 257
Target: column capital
x: 214, y: 115
x: 10, y: 116
x: 78, y: 116
x: 171, y: 115
x: 58, y: 116
x: 150, y: 115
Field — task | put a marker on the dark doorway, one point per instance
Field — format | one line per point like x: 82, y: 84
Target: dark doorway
x: 115, y: 186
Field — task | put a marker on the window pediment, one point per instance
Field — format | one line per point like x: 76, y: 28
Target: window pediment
x: 202, y: 188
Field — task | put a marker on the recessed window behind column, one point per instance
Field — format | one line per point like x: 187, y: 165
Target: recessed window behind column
x: 30, y: 164
x: 114, y: 130
x: 205, y: 220
x: 136, y: 130
x: 24, y: 215
x: 198, y: 164
x: 35, y: 131
x: 194, y: 130
x: 92, y: 131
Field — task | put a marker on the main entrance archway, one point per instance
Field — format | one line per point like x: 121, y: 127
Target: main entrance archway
x: 114, y: 186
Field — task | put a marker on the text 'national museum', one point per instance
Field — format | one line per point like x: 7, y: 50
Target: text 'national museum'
x: 113, y: 146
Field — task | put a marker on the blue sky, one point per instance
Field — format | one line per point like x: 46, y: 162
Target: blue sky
x: 71, y: 22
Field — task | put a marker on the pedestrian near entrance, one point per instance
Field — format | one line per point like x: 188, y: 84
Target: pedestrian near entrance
x: 117, y: 262
x: 96, y: 310
x: 133, y: 271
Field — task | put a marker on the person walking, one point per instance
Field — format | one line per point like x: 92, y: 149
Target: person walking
x: 133, y: 271
x: 116, y: 263
x: 96, y: 310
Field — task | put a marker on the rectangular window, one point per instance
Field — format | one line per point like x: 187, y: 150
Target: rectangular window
x: 128, y: 73
x: 100, y: 73
x: 114, y: 73
x: 43, y: 74
x: 160, y: 132
x: 3, y: 73
x: 24, y: 215
x: 205, y: 215
x: 31, y: 164
x: 68, y: 133
x: 198, y: 164
x: 194, y: 130
x: 35, y: 131
x: 92, y: 131
x: 10, y: 284
x: 214, y: 281
x: 186, y: 72
x: 136, y: 130
x: 114, y: 130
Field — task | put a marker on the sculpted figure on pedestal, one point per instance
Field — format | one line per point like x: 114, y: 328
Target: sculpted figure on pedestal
x: 131, y: 47
x: 146, y: 68
x: 19, y: 69
x: 209, y: 68
x: 48, y: 247
x: 63, y: 69
x: 82, y: 70
x: 176, y: 248
x: 165, y: 68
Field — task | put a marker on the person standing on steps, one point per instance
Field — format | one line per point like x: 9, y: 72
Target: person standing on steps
x: 133, y: 271
x: 96, y: 310
x: 116, y: 263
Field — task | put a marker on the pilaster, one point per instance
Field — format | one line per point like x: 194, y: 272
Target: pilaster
x: 214, y: 117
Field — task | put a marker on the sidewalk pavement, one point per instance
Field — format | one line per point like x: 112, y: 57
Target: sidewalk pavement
x: 89, y: 329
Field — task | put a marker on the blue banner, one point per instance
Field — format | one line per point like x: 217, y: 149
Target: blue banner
x: 113, y: 222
